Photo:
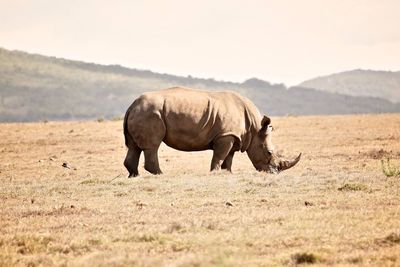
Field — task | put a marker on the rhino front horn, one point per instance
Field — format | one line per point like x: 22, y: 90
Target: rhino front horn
x: 286, y: 164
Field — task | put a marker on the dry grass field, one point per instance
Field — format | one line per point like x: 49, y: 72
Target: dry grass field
x: 336, y: 207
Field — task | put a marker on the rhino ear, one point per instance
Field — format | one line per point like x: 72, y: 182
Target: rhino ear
x: 265, y: 121
x: 265, y: 125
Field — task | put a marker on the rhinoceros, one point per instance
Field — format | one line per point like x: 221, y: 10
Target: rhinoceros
x: 195, y: 120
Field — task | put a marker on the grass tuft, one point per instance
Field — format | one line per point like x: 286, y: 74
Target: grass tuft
x: 355, y: 260
x: 146, y: 238
x: 120, y: 194
x: 121, y: 183
x: 308, y: 258
x: 149, y: 188
x: 250, y: 191
x: 391, y: 239
x: 209, y: 225
x: 31, y: 244
x: 179, y: 246
x: 353, y: 187
x: 175, y: 227
x: 93, y: 181
x: 388, y: 169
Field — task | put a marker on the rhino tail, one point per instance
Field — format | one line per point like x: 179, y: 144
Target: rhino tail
x: 128, y: 138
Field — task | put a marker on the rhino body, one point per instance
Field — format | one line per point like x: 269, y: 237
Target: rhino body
x: 194, y: 120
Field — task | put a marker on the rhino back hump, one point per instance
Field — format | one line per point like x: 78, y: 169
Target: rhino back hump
x: 194, y: 118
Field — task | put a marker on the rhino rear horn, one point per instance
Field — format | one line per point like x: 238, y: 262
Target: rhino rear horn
x: 286, y: 164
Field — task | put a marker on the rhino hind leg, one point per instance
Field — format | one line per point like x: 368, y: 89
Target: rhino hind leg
x: 227, y: 164
x: 148, y: 131
x: 151, y: 161
x: 222, y: 146
x: 132, y: 161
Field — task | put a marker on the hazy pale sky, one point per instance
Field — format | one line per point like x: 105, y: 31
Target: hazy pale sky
x: 285, y: 41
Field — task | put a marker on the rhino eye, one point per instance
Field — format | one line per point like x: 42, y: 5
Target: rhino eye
x: 266, y: 152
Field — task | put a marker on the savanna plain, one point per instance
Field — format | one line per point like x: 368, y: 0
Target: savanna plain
x: 66, y: 199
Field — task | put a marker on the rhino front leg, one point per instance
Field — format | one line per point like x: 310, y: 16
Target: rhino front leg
x: 227, y: 165
x: 222, y: 146
x: 151, y: 161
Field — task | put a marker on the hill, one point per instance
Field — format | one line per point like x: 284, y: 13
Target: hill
x: 383, y: 84
x: 35, y: 87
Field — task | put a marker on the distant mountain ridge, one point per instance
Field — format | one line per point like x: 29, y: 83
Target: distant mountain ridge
x: 35, y: 87
x: 383, y: 84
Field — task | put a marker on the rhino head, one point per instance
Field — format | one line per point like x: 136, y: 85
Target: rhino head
x: 261, y: 151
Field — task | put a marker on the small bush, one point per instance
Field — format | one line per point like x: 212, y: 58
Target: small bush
x: 388, y: 169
